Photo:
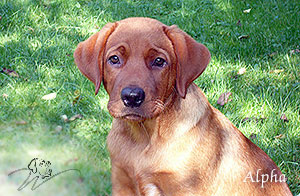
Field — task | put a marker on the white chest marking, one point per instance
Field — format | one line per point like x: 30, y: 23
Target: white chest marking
x: 151, y: 190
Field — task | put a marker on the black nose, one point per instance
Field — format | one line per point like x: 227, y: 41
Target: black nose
x: 132, y: 97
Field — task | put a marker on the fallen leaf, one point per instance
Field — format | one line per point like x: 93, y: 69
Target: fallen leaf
x: 31, y: 29
x: 64, y: 118
x: 238, y: 23
x: 243, y: 37
x: 75, y: 100
x: 295, y: 51
x: 0, y: 17
x: 10, y: 72
x: 241, y: 71
x: 77, y: 116
x: 280, y: 136
x: 247, y: 11
x: 277, y: 71
x: 224, y: 98
x: 49, y: 96
x: 77, y: 96
x: 21, y: 122
x: 253, y: 136
x: 4, y: 95
x: 284, y: 118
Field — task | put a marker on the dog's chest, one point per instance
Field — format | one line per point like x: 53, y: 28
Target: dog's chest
x: 157, y: 173
x: 159, y: 168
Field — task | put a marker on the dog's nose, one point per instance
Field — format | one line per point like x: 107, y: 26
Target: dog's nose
x: 132, y: 97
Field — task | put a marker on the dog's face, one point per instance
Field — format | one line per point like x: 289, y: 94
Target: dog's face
x: 41, y: 166
x: 133, y: 68
x: 142, y: 63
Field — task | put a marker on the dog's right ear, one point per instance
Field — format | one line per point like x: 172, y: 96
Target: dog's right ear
x: 88, y: 55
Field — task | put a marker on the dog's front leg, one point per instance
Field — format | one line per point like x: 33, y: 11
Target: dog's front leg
x: 122, y: 185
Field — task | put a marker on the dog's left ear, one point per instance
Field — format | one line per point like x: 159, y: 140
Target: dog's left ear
x: 192, y: 58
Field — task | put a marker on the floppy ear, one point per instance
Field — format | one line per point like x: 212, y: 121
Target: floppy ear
x: 89, y: 52
x: 32, y: 165
x: 192, y: 58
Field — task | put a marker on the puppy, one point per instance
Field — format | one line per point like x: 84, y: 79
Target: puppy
x: 40, y: 168
x: 166, y: 139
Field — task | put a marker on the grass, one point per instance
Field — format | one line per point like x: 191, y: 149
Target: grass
x: 38, y: 37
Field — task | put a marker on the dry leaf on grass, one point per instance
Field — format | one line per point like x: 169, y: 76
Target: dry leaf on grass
x: 75, y: 100
x: 237, y: 74
x: 241, y: 71
x: 21, y: 122
x: 10, y: 72
x: 77, y: 96
x: 284, y: 118
x: 277, y: 71
x: 30, y: 29
x: 295, y: 51
x: 280, y: 136
x: 49, y: 96
x: 243, y: 37
x: 247, y: 11
x: 224, y: 98
x: 77, y: 116
x: 64, y: 118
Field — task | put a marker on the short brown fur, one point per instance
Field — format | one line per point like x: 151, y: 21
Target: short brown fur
x: 175, y: 143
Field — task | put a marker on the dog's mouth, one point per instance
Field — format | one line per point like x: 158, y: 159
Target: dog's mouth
x: 133, y: 117
x: 145, y: 111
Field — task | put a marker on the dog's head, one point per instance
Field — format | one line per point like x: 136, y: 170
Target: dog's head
x: 40, y: 167
x: 142, y: 64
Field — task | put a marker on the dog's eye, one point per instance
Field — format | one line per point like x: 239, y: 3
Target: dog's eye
x: 159, y: 62
x: 114, y: 60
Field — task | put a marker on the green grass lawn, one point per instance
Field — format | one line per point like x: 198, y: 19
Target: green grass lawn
x: 37, y: 41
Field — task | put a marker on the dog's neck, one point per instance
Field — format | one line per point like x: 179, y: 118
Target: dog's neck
x: 195, y: 106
